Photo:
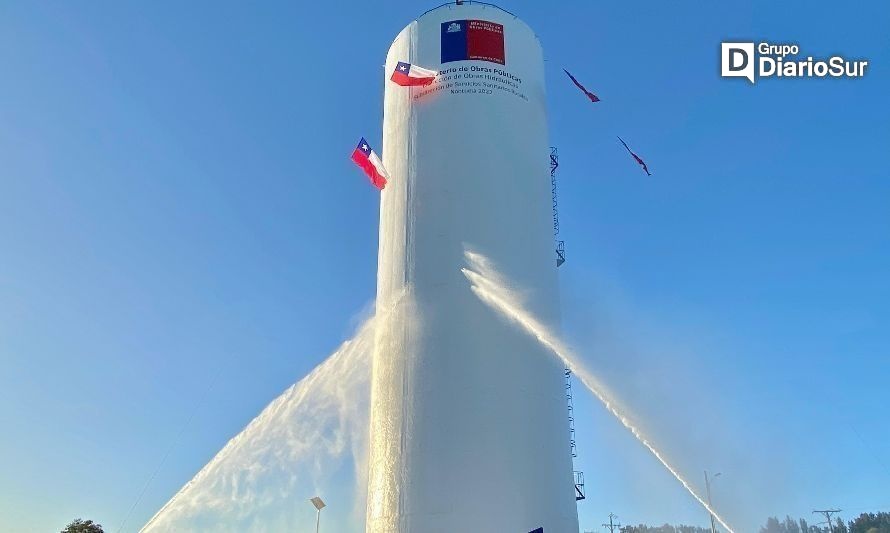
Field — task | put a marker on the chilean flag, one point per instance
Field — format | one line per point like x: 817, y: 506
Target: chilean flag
x: 370, y: 163
x: 407, y: 75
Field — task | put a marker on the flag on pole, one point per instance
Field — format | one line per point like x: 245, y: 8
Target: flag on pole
x: 592, y: 97
x: 407, y: 75
x: 365, y: 158
x: 636, y: 157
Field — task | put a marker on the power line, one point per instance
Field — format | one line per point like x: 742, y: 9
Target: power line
x: 869, y: 508
x: 868, y: 446
x: 171, y: 447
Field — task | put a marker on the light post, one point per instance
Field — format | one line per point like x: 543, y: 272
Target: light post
x: 319, y: 504
x: 708, y: 486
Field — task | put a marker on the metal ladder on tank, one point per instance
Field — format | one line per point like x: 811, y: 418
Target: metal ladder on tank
x: 560, y: 245
x: 579, y: 476
x: 560, y: 259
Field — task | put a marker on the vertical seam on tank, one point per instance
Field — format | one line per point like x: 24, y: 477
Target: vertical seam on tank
x: 407, y: 370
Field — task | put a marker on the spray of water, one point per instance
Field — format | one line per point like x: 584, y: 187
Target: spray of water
x: 301, y: 445
x: 293, y: 450
x: 493, y: 289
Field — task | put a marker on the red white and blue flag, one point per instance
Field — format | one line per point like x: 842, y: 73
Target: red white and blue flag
x: 408, y: 75
x: 365, y: 158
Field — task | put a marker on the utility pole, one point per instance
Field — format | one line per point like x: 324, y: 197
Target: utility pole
x: 711, y: 505
x: 828, y: 513
x: 612, y: 525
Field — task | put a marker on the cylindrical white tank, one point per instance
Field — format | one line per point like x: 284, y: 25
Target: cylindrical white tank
x: 469, y: 429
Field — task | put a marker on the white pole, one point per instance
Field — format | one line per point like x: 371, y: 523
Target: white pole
x: 317, y: 519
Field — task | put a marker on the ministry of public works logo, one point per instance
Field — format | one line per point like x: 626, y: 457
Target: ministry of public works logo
x: 738, y: 60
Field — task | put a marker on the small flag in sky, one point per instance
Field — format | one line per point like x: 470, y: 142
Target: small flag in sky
x: 365, y: 158
x: 593, y: 97
x: 635, y: 156
x: 407, y: 75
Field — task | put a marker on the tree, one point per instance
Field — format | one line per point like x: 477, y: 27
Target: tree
x: 83, y: 526
x: 871, y: 523
x: 773, y: 526
x: 791, y: 526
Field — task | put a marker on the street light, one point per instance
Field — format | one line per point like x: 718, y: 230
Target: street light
x: 319, y: 505
x: 708, y: 485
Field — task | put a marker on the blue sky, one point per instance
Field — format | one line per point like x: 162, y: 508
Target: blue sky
x: 181, y: 231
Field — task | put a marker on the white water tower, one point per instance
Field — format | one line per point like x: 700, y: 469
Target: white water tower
x: 468, y: 424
